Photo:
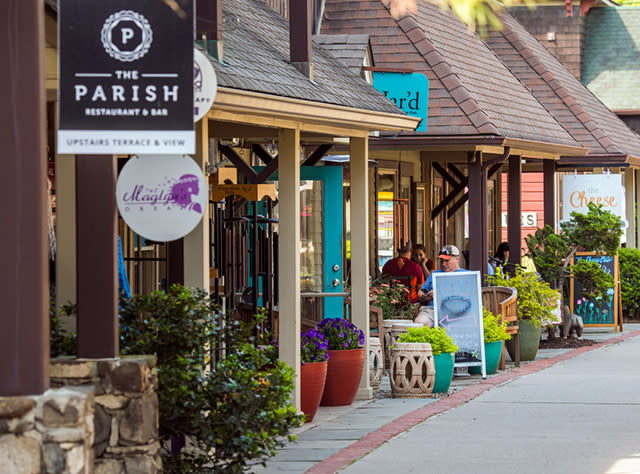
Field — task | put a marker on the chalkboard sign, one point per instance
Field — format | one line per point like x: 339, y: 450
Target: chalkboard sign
x: 458, y: 308
x: 601, y: 311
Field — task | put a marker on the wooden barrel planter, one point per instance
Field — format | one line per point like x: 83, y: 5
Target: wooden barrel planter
x: 412, y: 371
x: 376, y: 362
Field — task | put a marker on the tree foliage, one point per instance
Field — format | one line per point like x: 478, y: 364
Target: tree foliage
x: 476, y: 14
x: 597, y: 231
x: 630, y: 281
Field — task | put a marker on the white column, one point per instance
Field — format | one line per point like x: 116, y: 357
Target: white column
x: 289, y: 253
x: 196, y: 243
x: 630, y: 206
x: 359, y: 153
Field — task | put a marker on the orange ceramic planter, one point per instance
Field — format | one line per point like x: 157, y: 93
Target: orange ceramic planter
x: 312, y: 381
x: 344, y: 371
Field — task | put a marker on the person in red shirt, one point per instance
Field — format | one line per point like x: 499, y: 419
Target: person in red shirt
x: 403, y: 266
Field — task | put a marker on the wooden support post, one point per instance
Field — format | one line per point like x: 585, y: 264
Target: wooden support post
x: 196, y: 243
x: 478, y: 235
x: 514, y: 208
x: 360, y: 250
x: 630, y: 207
x: 549, y: 181
x: 24, y: 338
x: 96, y: 250
x: 289, y: 252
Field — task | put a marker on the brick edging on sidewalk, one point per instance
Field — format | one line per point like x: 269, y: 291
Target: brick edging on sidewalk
x: 383, y: 434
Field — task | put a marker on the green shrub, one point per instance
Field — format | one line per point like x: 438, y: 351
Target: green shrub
x: 61, y: 343
x: 233, y: 408
x: 630, y: 281
x: 536, y: 299
x: 494, y: 329
x: 595, y: 281
x: 438, y: 338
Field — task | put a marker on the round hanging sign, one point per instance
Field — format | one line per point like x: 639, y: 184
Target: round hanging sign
x: 205, y: 85
x: 161, y: 197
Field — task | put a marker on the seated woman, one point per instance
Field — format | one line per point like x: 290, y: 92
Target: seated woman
x: 403, y: 266
x: 499, y: 260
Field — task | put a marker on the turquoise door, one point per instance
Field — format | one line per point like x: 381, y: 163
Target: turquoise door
x: 321, y: 239
x: 321, y: 234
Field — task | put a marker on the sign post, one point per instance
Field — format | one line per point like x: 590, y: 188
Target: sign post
x: 457, y: 301
x: 126, y: 77
x: 602, y: 311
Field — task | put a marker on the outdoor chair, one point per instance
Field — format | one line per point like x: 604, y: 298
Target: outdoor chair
x: 503, y: 301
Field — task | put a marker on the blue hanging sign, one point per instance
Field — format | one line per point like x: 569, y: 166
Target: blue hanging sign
x: 409, y: 91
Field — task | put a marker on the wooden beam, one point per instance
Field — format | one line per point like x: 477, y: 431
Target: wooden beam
x: 318, y: 154
x: 261, y: 153
x: 238, y: 162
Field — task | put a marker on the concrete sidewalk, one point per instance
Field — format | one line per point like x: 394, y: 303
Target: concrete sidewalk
x: 339, y: 436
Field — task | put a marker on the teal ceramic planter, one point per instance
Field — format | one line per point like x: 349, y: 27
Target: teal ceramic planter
x: 492, y: 352
x: 444, y: 371
x: 529, y: 341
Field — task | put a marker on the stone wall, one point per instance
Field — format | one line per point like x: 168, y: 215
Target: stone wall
x: 51, y: 433
x: 126, y: 410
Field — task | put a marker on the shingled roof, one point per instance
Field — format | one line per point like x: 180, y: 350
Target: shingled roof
x: 588, y: 120
x: 351, y: 50
x: 256, y: 58
x: 611, y: 56
x: 471, y: 92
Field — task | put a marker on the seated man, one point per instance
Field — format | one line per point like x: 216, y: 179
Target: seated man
x: 449, y: 259
x: 403, y: 266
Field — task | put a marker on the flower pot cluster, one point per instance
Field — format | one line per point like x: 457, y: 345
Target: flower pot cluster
x: 332, y: 357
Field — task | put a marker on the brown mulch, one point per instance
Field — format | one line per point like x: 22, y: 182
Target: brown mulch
x: 568, y: 343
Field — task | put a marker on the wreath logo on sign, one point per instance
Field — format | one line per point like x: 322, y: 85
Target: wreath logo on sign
x: 126, y: 36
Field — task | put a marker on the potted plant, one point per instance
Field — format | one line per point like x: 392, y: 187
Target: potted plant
x: 537, y: 303
x: 443, y: 349
x: 314, y: 353
x: 393, y: 299
x: 495, y: 332
x: 346, y: 361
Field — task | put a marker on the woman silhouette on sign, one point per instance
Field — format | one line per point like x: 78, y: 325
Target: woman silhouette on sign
x: 186, y: 187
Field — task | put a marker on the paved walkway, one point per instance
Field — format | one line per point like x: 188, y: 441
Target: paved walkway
x: 339, y: 436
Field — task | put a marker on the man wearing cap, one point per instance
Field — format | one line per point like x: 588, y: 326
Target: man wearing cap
x: 403, y: 266
x: 449, y: 259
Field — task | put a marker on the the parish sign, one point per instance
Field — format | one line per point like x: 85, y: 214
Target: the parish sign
x: 126, y: 77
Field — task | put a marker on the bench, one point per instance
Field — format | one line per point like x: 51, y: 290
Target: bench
x: 503, y: 301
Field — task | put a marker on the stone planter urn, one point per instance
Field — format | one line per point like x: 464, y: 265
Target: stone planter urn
x: 376, y: 362
x: 387, y: 324
x: 412, y: 372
